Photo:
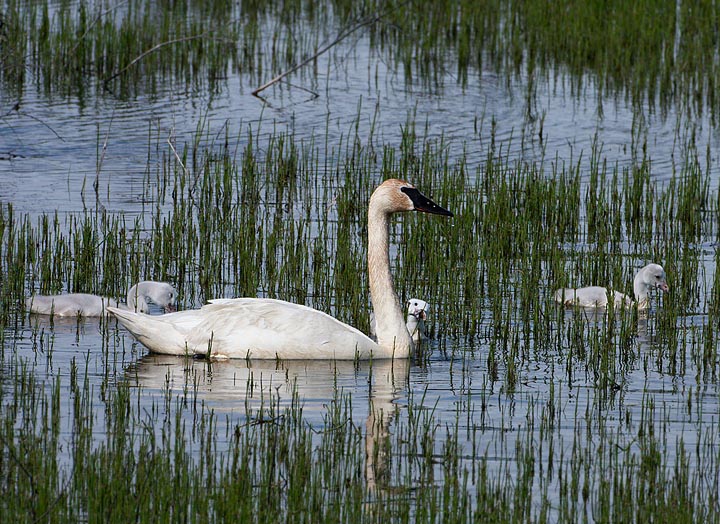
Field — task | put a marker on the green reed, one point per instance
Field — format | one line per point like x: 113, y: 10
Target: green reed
x: 126, y: 47
x: 520, y: 231
x: 656, y: 53
x: 255, y: 216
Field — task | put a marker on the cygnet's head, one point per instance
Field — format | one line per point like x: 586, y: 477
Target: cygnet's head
x: 417, y: 314
x: 161, y: 294
x: 418, y: 308
x: 653, y: 275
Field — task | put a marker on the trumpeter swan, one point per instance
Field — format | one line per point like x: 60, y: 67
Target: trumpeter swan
x: 264, y: 328
x: 651, y: 276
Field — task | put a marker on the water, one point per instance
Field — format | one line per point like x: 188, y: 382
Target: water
x: 52, y: 152
x: 52, y: 148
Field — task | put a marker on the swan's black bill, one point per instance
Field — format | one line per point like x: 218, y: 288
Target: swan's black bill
x: 423, y: 203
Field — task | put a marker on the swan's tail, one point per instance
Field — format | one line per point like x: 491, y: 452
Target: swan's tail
x: 153, y: 332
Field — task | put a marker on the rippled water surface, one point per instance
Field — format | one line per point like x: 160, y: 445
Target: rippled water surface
x: 53, y: 149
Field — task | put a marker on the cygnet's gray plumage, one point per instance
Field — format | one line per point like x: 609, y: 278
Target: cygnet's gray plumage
x: 161, y: 294
x: 649, y: 277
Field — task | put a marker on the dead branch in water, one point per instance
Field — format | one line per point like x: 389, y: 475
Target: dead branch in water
x: 342, y: 36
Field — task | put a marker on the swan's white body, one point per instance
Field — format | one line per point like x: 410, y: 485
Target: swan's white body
x: 649, y: 277
x: 249, y: 328
x: 86, y: 305
x: 274, y: 329
x: 417, y: 311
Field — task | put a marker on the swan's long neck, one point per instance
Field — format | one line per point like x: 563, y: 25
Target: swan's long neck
x: 392, y: 334
x: 136, y: 299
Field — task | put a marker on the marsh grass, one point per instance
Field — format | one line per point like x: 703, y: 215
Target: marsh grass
x: 260, y: 219
x: 658, y: 55
x: 128, y: 47
x: 151, y: 465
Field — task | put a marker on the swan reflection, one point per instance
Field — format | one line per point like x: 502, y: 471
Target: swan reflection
x: 236, y: 385
x: 227, y: 382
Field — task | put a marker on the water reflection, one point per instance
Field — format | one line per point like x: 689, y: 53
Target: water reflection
x: 242, y: 387
x: 58, y: 335
x: 62, y: 138
x: 316, y: 382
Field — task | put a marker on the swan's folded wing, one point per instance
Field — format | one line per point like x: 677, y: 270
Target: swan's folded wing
x: 591, y: 297
x: 268, y: 328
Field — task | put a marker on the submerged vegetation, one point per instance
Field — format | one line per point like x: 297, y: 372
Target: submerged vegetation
x: 516, y: 410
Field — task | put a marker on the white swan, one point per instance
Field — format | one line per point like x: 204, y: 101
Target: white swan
x: 85, y: 305
x: 417, y: 311
x: 649, y: 277
x: 268, y: 329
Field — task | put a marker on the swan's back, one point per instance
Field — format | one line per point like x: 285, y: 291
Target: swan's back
x: 591, y: 296
x: 251, y: 328
x: 70, y: 305
x: 295, y: 331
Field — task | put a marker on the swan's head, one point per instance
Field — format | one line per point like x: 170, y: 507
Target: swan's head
x: 418, y: 308
x: 653, y: 276
x: 395, y: 196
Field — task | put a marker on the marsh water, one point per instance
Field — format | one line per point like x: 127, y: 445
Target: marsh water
x: 79, y: 156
